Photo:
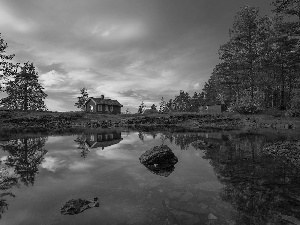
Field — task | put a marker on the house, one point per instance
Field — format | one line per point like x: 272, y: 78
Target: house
x: 103, y: 140
x: 213, y: 107
x: 102, y: 105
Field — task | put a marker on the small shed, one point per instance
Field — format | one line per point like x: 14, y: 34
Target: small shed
x: 213, y: 107
x: 102, y: 105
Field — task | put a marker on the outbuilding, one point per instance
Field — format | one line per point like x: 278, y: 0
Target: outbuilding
x: 214, y: 107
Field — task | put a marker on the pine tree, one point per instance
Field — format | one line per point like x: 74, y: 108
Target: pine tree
x: 154, y: 107
x: 142, y: 108
x: 6, y: 68
x: 82, y: 99
x: 24, y: 90
x: 162, y: 105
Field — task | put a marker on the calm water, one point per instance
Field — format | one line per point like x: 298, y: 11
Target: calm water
x: 219, y: 179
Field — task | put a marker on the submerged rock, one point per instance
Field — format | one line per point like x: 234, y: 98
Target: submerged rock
x: 75, y: 206
x: 159, y: 160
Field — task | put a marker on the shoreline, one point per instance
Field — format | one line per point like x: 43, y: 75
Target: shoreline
x: 12, y: 122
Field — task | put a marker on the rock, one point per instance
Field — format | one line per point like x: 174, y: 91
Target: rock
x: 212, y: 217
x: 159, y: 160
x: 75, y: 206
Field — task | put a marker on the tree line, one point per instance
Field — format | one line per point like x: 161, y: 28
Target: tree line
x: 259, y: 65
x: 20, y: 82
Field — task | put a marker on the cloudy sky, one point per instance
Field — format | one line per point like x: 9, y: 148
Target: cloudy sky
x: 129, y: 50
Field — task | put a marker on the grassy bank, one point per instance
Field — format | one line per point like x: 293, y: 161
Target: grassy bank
x: 20, y: 122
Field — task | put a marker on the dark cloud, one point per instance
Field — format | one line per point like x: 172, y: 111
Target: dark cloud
x: 144, y: 49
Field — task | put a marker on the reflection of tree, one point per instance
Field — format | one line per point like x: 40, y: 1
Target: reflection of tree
x: 260, y: 187
x: 80, y: 140
x: 6, y: 182
x: 141, y: 135
x: 184, y: 140
x: 25, y: 155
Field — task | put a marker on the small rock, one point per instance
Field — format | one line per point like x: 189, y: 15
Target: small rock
x: 231, y: 222
x: 212, y: 217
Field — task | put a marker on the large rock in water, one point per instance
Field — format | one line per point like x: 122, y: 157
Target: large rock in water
x: 159, y: 160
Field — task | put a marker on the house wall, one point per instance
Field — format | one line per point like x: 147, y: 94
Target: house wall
x: 89, y: 104
x: 116, y: 109
x: 214, y: 109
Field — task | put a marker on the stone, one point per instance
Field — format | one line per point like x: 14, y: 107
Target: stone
x: 159, y: 160
x: 75, y: 206
x: 212, y: 217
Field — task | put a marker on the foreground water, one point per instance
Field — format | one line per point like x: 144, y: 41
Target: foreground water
x: 219, y: 179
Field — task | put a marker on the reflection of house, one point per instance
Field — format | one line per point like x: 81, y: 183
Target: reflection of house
x: 102, y: 105
x: 103, y: 140
x: 213, y: 107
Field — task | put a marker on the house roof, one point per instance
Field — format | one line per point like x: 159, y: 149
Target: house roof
x: 214, y: 103
x: 104, y: 143
x: 105, y: 101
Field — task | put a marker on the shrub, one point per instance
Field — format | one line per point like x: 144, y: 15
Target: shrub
x: 247, y: 105
x: 150, y: 111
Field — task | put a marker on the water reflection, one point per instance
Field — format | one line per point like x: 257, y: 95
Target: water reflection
x: 219, y: 179
x: 262, y: 188
x: 24, y: 157
x: 96, y: 140
x: 102, y: 140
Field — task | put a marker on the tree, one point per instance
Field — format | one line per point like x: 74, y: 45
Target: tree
x: 127, y: 111
x: 142, y: 108
x: 287, y: 7
x: 24, y: 90
x: 162, y: 106
x: 82, y: 99
x: 153, y: 107
x: 6, y: 68
x: 243, y: 51
x: 183, y: 101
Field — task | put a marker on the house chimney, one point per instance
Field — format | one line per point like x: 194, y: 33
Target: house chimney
x: 102, y: 96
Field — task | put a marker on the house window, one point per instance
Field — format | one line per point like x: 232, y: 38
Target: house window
x: 111, y: 108
x: 111, y: 136
x: 106, y: 137
x: 92, y: 138
x: 106, y: 107
x: 99, y: 107
x: 99, y: 137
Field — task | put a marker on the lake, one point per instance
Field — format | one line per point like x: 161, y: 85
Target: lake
x: 220, y: 178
